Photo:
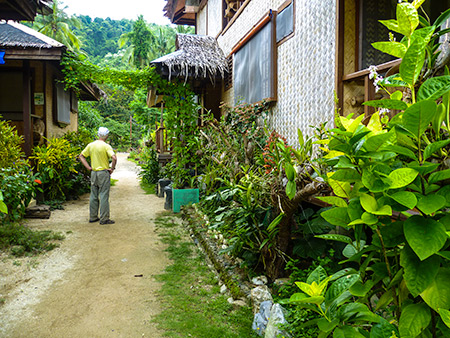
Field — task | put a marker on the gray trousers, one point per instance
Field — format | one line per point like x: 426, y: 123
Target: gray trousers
x: 100, y: 184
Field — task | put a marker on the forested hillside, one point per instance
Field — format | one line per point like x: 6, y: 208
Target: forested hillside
x: 99, y: 36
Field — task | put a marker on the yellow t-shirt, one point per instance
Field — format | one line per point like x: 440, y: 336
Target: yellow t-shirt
x: 100, y: 153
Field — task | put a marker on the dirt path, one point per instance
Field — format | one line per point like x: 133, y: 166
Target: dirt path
x: 100, y: 282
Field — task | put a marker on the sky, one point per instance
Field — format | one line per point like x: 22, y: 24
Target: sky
x: 152, y: 10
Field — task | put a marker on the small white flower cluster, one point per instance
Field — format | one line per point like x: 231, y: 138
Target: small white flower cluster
x: 383, y: 111
x: 377, y: 78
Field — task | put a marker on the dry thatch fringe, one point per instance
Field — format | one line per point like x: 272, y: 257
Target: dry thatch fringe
x: 198, y: 53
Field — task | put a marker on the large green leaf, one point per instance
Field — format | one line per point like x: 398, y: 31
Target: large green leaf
x: 424, y: 168
x: 347, y: 332
x: 356, y: 312
x: 317, y: 275
x: 346, y: 175
x: 290, y: 172
x: 401, y: 151
x: 383, y: 329
x: 407, y: 18
x: 437, y: 295
x: 369, y: 203
x: 433, y: 147
x: 376, y: 142
x: 439, y: 176
x: 341, y: 189
x: 291, y: 189
x: 387, y: 103
x: 429, y: 204
x: 336, y: 216
x: 393, y: 48
x: 333, y: 200
x: 393, y: 81
x: 413, y: 320
x: 406, y: 198
x: 402, y: 177
x: 339, y: 287
x: 433, y: 88
x: 418, y: 274
x: 418, y: 116
x: 325, y: 325
x: 425, y: 235
x: 414, y: 57
x: 445, y: 316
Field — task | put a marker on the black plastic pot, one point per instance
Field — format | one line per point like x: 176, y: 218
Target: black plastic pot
x: 168, y: 192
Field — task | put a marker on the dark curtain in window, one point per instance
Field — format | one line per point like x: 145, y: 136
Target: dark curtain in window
x: 373, y: 31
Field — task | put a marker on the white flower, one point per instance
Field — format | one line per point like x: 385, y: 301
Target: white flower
x: 373, y: 72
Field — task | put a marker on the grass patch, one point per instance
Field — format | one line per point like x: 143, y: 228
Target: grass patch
x: 149, y: 188
x: 23, y: 241
x: 190, y: 296
x: 113, y: 182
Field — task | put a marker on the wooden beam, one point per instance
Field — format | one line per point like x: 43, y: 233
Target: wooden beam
x: 33, y: 54
x: 339, y: 85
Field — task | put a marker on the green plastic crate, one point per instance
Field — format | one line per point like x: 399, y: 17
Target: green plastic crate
x: 183, y: 197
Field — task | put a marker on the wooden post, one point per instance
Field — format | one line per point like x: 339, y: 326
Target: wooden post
x: 131, y: 123
x: 26, y: 107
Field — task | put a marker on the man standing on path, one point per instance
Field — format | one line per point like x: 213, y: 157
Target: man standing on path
x: 100, y: 153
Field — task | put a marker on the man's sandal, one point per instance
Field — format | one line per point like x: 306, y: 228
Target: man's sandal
x: 108, y: 221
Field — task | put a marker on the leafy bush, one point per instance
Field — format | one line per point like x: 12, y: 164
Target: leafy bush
x: 55, y: 162
x: 18, y: 188
x: 148, y: 160
x: 17, y: 181
x: 391, y: 195
x: 80, y: 178
x: 11, y: 154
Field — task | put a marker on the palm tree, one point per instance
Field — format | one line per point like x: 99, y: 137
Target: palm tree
x: 56, y: 26
x: 138, y: 53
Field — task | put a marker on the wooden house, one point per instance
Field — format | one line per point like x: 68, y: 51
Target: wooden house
x: 32, y: 95
x: 297, y: 54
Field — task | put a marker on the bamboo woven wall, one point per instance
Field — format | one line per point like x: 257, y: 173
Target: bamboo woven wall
x: 306, y: 71
x: 306, y: 62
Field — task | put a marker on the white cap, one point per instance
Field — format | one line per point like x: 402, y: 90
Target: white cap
x: 103, y: 131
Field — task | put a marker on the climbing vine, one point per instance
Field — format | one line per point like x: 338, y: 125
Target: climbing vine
x: 181, y: 109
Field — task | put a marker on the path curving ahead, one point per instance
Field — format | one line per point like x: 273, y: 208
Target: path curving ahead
x: 100, y: 282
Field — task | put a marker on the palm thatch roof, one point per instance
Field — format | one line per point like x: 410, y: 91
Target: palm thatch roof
x: 196, y: 56
x: 16, y: 35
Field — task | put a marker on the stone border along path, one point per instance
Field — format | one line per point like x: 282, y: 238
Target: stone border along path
x: 99, y: 282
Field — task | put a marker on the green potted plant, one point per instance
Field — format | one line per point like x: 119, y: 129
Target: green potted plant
x: 182, y: 125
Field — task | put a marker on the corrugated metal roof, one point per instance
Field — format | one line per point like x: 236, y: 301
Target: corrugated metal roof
x: 13, y: 34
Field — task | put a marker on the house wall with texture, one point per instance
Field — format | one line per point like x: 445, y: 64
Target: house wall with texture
x: 306, y: 62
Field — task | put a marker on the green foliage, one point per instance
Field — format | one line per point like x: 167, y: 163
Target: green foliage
x: 11, y: 154
x: 17, y: 182
x: 24, y: 241
x: 55, y: 162
x: 150, y: 171
x: 384, y: 169
x: 18, y: 187
x: 139, y: 53
x: 57, y: 25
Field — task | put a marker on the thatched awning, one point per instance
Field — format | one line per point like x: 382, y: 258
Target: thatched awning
x: 196, y: 57
x: 19, y: 10
x: 16, y: 35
